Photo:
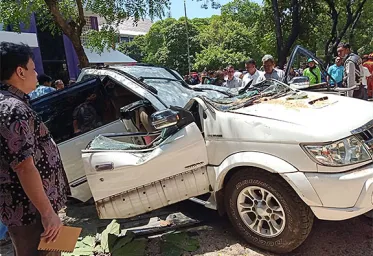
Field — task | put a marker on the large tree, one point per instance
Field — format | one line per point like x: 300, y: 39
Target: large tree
x: 344, y: 18
x: 69, y: 17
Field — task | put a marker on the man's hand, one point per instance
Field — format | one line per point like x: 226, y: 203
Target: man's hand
x: 32, y: 185
x: 52, y: 225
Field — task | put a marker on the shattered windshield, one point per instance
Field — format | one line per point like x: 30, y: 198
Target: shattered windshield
x: 148, y: 71
x: 172, y: 90
x: 269, y: 89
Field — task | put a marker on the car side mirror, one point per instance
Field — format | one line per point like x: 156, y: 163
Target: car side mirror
x: 164, y: 119
x: 299, y: 82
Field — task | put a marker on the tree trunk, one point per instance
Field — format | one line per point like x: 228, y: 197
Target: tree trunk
x: 70, y: 28
x: 278, y: 31
x: 295, y: 30
x: 334, y: 15
x: 352, y: 19
x: 82, y: 57
x: 284, y: 47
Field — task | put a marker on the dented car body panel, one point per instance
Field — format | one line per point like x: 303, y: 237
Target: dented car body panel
x: 245, y: 131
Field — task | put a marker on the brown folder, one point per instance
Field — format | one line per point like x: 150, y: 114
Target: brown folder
x: 65, y: 241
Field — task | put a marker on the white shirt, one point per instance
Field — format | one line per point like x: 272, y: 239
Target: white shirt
x: 234, y: 83
x: 246, y: 78
x: 364, y: 79
x: 276, y: 74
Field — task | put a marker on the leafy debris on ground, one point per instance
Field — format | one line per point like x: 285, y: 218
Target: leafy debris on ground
x: 176, y: 243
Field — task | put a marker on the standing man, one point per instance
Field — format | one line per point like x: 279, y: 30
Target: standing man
x: 336, y: 72
x: 312, y: 72
x: 270, y: 72
x: 232, y: 81
x: 252, y: 73
x: 44, y: 87
x: 353, y: 71
x: 33, y: 181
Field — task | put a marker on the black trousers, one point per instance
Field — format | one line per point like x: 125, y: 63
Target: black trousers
x: 26, y: 240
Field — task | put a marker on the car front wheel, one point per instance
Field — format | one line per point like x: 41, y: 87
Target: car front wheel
x: 266, y: 211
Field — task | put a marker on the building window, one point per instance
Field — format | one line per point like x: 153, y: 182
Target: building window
x: 124, y: 39
x: 86, y: 28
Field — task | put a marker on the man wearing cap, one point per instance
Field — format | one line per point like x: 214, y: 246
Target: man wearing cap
x: 312, y: 72
x: 353, y: 71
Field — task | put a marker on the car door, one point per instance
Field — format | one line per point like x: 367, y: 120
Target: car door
x: 298, y: 55
x: 57, y: 110
x: 130, y: 182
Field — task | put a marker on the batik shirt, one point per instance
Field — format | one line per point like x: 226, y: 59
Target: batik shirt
x: 24, y: 135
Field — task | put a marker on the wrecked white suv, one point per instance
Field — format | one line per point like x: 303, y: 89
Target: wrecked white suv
x: 272, y: 158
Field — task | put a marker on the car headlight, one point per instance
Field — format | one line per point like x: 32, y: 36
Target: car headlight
x: 343, y: 152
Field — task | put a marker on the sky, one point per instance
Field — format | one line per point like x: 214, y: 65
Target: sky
x: 194, y: 9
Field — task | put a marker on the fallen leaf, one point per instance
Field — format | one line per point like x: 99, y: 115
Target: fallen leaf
x: 89, y: 240
x: 114, y: 229
x: 123, y: 240
x: 134, y: 248
x: 112, y: 239
x: 183, y: 241
x: 169, y: 249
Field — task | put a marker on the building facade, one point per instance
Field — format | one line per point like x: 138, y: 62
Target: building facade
x: 54, y: 55
x: 128, y: 29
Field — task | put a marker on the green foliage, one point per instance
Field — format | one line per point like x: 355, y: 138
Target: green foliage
x: 214, y: 43
x: 113, y: 244
x: 110, y: 244
x: 64, y: 16
x: 135, y: 49
x: 134, y: 248
x: 99, y: 40
x: 243, y: 11
x: 165, y: 44
x: 176, y: 243
x: 109, y: 234
x: 216, y: 57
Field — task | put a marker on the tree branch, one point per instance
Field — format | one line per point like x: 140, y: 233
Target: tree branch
x: 295, y: 26
x: 333, y: 33
x: 350, y: 19
x: 58, y: 18
x: 82, y: 20
x: 278, y: 30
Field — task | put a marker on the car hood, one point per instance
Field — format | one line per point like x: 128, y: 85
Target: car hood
x: 334, y: 117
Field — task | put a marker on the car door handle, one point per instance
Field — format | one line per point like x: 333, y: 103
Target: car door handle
x: 104, y: 167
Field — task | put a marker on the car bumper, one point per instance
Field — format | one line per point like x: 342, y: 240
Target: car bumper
x: 341, y: 195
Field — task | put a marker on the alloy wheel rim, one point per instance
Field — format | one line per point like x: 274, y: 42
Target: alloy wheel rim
x: 261, y: 211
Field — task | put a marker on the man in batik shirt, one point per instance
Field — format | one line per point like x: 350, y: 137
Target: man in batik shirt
x: 33, y: 184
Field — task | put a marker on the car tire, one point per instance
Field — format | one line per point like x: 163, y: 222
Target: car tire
x: 292, y: 230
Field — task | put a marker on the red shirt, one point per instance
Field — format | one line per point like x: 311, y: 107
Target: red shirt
x: 369, y: 64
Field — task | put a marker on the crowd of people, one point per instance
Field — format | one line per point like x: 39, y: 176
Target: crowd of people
x: 348, y: 70
x: 232, y: 78
x: 47, y: 85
